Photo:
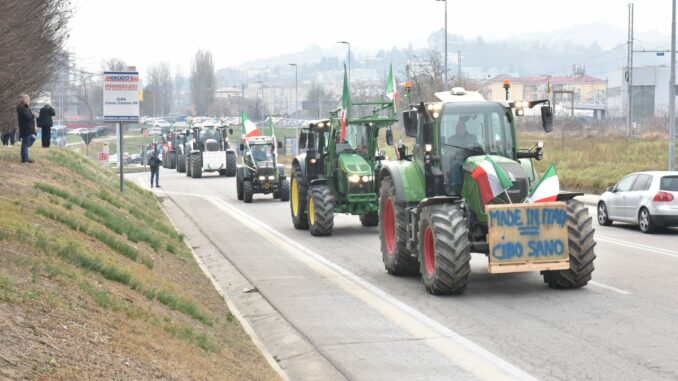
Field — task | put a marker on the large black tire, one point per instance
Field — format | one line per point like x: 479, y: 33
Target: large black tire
x: 248, y: 191
x: 581, y: 243
x: 393, y: 233
x: 284, y: 190
x: 231, y: 166
x: 172, y: 158
x: 181, y: 163
x: 196, y: 165
x: 188, y: 164
x: 298, y: 195
x: 238, y: 185
x: 603, y: 215
x: 370, y: 219
x: 320, y: 210
x: 645, y: 222
x: 444, y: 249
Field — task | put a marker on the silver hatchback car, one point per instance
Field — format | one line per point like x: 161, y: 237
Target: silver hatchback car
x: 648, y: 199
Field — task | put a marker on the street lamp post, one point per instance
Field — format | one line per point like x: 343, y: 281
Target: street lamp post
x: 296, y: 86
x: 445, y: 74
x: 349, y: 58
x: 672, y: 93
x: 262, y: 100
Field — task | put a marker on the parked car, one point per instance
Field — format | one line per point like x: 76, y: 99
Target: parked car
x: 155, y: 131
x: 161, y: 123
x: 647, y: 199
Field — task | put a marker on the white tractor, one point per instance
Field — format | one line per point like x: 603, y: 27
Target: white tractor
x: 208, y: 150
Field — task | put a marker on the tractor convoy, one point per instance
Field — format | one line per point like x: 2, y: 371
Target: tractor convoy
x: 464, y: 186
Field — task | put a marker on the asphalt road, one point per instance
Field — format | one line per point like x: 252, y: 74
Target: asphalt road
x: 373, y: 326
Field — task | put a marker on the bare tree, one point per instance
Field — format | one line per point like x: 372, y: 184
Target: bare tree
x: 31, y: 34
x: 113, y: 64
x: 159, y: 91
x: 203, y: 82
x: 425, y: 69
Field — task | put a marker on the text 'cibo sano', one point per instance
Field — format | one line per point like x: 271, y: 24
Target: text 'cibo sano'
x: 530, y: 224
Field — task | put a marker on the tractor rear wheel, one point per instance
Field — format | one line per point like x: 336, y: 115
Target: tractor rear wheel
x: 581, y: 243
x: 196, y: 165
x: 444, y: 249
x: 172, y: 157
x: 298, y: 195
x: 393, y: 233
x: 238, y: 185
x: 248, y: 191
x: 181, y: 163
x: 370, y: 219
x: 230, y: 164
x: 320, y: 210
x: 284, y: 190
x: 188, y: 164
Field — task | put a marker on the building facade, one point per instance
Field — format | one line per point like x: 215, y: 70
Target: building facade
x: 650, y: 92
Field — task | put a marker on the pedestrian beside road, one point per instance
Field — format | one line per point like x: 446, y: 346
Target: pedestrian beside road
x: 45, y: 123
x: 154, y: 163
x: 26, y: 127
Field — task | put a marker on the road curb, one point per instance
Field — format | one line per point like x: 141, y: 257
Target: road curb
x: 232, y: 307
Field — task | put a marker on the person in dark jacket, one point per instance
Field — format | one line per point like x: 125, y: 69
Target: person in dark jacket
x: 154, y: 163
x: 45, y: 123
x: 26, y: 127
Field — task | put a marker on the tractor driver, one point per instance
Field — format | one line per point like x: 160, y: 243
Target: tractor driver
x: 259, y: 153
x: 462, y: 137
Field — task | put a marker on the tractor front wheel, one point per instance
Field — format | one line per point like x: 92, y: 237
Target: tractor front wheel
x: 320, y: 210
x: 196, y: 165
x: 181, y: 164
x: 188, y: 164
x: 172, y: 158
x: 298, y: 195
x: 284, y: 190
x: 238, y: 186
x: 370, y: 219
x: 230, y: 164
x: 248, y: 191
x: 393, y: 233
x: 444, y: 249
x: 581, y: 243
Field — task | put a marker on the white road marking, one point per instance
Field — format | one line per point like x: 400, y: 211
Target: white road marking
x: 633, y: 245
x: 473, y: 358
x: 609, y: 288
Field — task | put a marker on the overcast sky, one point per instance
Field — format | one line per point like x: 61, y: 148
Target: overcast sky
x: 146, y: 31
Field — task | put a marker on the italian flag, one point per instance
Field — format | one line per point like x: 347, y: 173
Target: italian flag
x: 491, y: 179
x: 391, y: 92
x: 249, y: 129
x: 270, y: 128
x: 547, y: 188
x: 345, y: 105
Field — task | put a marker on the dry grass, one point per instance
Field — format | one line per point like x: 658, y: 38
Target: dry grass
x: 592, y: 163
x: 96, y: 285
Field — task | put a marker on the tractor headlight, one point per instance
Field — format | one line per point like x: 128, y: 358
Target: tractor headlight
x: 312, y: 161
x: 354, y: 178
x: 367, y: 179
x: 262, y: 178
x: 271, y: 177
x: 428, y: 148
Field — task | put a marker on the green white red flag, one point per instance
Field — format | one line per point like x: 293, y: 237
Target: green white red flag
x: 491, y: 179
x: 391, y: 91
x: 345, y: 106
x: 547, y: 188
x: 249, y: 129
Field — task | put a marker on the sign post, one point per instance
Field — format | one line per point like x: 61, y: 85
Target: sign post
x: 121, y: 104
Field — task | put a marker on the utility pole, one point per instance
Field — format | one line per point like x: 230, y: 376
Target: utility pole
x: 349, y: 58
x: 672, y: 93
x: 296, y: 86
x: 445, y: 73
x: 458, y: 67
x: 629, y: 73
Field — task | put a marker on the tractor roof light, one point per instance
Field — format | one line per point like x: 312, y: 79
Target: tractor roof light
x: 506, y: 83
x: 428, y: 148
x: 458, y: 91
x: 408, y: 85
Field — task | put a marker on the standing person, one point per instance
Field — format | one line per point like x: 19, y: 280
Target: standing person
x: 45, y: 123
x: 154, y: 163
x: 26, y: 127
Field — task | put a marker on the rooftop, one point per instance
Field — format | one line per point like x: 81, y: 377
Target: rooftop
x: 544, y: 79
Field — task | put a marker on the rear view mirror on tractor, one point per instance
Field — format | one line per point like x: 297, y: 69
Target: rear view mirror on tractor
x: 410, y: 122
x: 389, y: 137
x: 547, y: 118
x: 302, y: 140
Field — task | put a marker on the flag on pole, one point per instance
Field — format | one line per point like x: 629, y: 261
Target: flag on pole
x: 345, y: 106
x: 270, y: 126
x: 391, y: 91
x: 491, y: 179
x: 548, y: 88
x: 547, y: 188
x: 249, y: 129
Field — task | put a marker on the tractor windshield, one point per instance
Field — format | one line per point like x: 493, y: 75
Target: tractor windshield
x: 358, y: 137
x: 209, y: 133
x: 261, y: 152
x: 469, y: 129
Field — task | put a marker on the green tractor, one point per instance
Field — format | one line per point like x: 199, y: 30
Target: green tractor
x: 259, y: 171
x: 334, y: 176
x: 436, y: 207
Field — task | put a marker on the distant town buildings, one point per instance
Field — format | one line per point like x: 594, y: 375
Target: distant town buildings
x: 650, y: 92
x: 585, y: 88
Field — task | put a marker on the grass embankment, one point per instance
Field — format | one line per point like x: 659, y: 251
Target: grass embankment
x: 98, y: 285
x: 591, y: 164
